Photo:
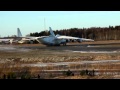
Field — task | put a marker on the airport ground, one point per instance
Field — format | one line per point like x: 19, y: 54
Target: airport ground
x: 51, y: 61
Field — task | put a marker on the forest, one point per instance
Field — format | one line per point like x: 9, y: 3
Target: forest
x: 96, y: 33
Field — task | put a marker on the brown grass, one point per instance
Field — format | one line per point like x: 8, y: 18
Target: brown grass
x: 12, y: 61
x: 6, y: 68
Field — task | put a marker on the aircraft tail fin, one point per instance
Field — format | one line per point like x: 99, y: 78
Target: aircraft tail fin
x: 19, y: 33
x: 51, y: 32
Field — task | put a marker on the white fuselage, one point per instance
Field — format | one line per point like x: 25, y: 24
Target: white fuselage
x: 58, y: 39
x: 50, y: 40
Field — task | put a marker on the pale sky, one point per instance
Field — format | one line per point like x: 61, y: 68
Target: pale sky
x: 37, y: 21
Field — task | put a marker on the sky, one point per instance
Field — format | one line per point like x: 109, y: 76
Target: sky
x: 37, y: 21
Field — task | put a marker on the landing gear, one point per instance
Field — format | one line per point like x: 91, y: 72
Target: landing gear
x: 53, y: 45
x: 64, y: 44
x: 57, y: 45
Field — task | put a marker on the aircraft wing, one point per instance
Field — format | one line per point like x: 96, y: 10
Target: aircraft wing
x: 84, y: 39
x: 75, y: 38
x: 67, y: 37
x: 32, y: 38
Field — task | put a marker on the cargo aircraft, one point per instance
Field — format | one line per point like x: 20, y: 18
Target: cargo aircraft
x: 57, y: 40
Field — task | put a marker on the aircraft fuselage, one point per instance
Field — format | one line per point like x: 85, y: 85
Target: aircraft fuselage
x: 51, y: 41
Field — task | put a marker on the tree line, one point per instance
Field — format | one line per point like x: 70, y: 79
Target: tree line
x: 96, y: 33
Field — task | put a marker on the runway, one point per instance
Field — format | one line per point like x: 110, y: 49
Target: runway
x: 85, y: 48
x: 78, y: 48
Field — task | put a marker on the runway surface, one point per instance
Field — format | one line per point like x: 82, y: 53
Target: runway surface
x: 86, y: 48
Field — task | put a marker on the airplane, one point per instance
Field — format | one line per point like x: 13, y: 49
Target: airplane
x: 27, y: 39
x: 10, y: 40
x: 17, y: 39
x: 53, y: 40
x: 4, y: 41
x: 24, y: 39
